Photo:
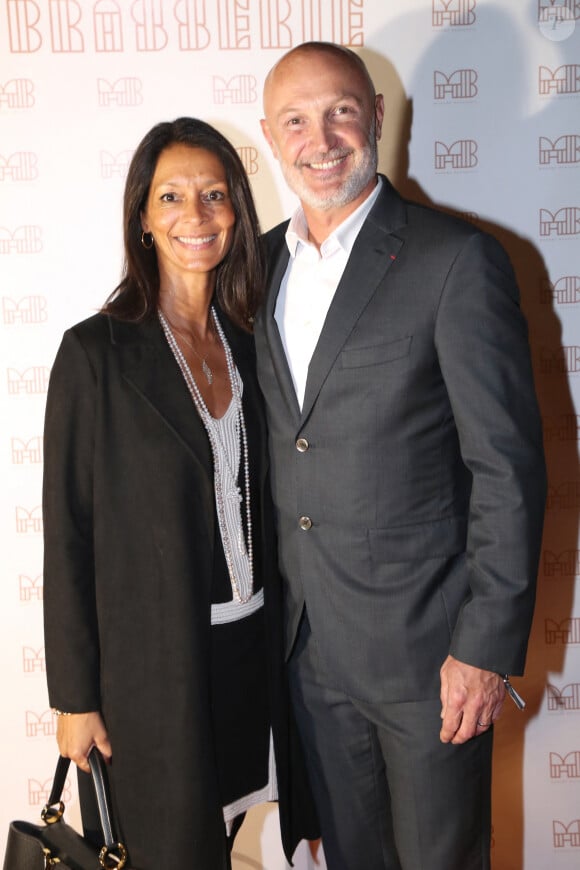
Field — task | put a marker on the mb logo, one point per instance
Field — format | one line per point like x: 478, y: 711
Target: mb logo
x: 564, y: 497
x: 30, y: 588
x: 455, y: 13
x: 26, y: 452
x: 558, y: 10
x: 461, y: 154
x: 567, y: 766
x: 564, y: 564
x: 566, y: 835
x: 564, y: 222
x: 562, y: 360
x: 17, y: 94
x: 40, y: 724
x: 237, y: 90
x: 30, y: 382
x: 33, y: 660
x: 39, y: 792
x: 564, y: 291
x: 564, y: 79
x: 28, y: 522
x: 249, y: 157
x: 565, y: 632
x: 565, y: 149
x: 123, y: 92
x: 22, y: 240
x: 566, y: 698
x: 30, y: 309
x: 115, y: 165
x: 21, y: 166
x: 458, y: 85
x: 562, y: 427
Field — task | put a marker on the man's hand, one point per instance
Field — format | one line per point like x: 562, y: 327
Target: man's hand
x: 471, y: 699
x: 78, y: 733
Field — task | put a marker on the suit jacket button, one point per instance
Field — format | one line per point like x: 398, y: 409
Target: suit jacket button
x: 305, y: 523
x: 302, y: 445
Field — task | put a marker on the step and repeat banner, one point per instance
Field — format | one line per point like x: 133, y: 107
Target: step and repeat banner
x: 482, y: 119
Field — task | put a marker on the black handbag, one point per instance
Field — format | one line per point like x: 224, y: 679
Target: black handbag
x: 56, y: 844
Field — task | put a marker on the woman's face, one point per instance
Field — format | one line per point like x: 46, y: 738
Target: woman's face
x: 189, y: 212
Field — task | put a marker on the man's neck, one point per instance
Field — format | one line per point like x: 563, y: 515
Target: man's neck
x: 322, y: 222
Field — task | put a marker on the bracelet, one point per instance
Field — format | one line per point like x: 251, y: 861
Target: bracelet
x: 60, y: 712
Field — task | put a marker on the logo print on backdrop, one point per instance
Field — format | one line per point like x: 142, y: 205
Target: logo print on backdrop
x: 115, y: 164
x: 566, y: 698
x: 20, y: 166
x: 26, y: 452
x: 559, y: 10
x: 567, y: 766
x: 566, y: 834
x: 564, y: 291
x: 565, y: 496
x: 40, y: 724
x: 33, y: 660
x: 29, y: 309
x: 66, y: 26
x: 17, y: 94
x: 564, y: 564
x: 22, y: 240
x: 564, y: 222
x: 458, y: 85
x: 39, y: 792
x: 28, y: 522
x: 556, y: 18
x: 124, y: 92
x: 32, y: 381
x: 461, y: 154
x: 108, y: 27
x: 565, y: 632
x: 564, y: 79
x: 565, y: 149
x: 456, y: 13
x: 249, y: 157
x: 31, y: 588
x: 239, y: 89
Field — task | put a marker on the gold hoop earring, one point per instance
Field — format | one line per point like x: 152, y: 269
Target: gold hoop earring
x: 150, y: 245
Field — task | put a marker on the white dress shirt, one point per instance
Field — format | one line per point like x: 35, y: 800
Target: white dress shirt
x: 309, y: 285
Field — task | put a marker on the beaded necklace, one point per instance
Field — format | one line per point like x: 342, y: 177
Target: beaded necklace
x: 242, y: 587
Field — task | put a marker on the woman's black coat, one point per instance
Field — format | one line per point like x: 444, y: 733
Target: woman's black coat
x: 129, y: 536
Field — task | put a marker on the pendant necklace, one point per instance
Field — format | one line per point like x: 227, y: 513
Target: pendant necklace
x: 204, y: 365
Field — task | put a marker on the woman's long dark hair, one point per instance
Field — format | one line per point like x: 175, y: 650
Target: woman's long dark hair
x: 240, y: 276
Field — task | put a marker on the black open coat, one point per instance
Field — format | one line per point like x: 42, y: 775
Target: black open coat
x: 129, y: 536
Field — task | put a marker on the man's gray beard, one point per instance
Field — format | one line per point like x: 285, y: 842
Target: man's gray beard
x: 352, y: 187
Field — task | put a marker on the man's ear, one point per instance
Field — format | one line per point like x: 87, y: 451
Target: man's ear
x: 268, y: 137
x: 379, y: 114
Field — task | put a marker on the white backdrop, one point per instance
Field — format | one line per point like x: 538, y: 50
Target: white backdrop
x: 482, y: 118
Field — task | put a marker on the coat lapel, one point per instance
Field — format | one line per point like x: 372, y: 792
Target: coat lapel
x: 374, y: 251
x: 148, y: 366
x: 279, y: 256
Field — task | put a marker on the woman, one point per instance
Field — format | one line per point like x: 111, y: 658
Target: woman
x: 158, y: 532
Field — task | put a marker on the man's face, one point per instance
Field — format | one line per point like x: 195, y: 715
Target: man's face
x: 322, y: 125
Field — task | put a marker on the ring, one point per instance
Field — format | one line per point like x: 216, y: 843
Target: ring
x: 483, y: 724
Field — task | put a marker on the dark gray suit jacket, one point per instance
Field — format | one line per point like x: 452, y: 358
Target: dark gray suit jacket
x: 424, y: 477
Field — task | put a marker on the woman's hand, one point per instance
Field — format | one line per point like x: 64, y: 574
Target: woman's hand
x: 77, y: 733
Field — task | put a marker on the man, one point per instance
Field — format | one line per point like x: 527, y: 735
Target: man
x: 408, y: 479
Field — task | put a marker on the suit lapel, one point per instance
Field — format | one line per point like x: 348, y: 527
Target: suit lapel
x: 148, y: 366
x: 279, y: 256
x: 374, y: 251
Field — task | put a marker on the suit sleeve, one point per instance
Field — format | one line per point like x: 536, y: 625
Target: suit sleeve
x: 70, y: 622
x: 482, y: 344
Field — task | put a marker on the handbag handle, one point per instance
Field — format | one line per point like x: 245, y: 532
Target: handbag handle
x: 51, y: 813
